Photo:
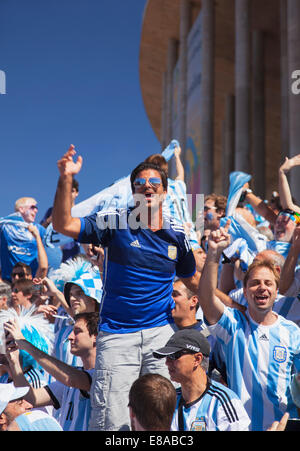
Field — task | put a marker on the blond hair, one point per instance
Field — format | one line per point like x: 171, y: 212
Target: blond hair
x: 23, y: 201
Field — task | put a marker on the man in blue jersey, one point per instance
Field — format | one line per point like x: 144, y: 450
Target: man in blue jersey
x: 143, y: 252
x: 70, y: 391
x: 202, y: 404
x: 21, y: 240
x: 260, y: 346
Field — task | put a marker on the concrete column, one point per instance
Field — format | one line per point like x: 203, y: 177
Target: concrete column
x: 258, y: 113
x: 284, y: 81
x: 185, y: 12
x: 242, y: 84
x: 171, y: 62
x: 293, y: 37
x: 207, y: 98
x: 163, y: 128
x: 228, y: 142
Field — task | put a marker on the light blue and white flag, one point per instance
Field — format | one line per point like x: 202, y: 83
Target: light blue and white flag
x: 250, y: 241
x: 117, y: 195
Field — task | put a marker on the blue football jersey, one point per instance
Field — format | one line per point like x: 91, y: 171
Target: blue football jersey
x: 139, y: 269
x: 17, y: 244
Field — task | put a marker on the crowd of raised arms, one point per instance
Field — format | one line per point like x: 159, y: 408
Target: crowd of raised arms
x: 142, y: 316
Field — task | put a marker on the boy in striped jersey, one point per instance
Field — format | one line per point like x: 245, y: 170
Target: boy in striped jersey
x: 70, y: 391
x: 202, y: 404
x: 260, y: 346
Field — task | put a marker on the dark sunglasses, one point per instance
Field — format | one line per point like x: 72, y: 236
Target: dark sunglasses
x: 15, y: 290
x: 290, y: 214
x: 33, y: 207
x: 179, y: 354
x: 20, y: 274
x: 155, y: 182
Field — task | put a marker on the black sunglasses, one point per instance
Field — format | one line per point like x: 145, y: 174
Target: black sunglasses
x: 17, y: 273
x: 179, y: 354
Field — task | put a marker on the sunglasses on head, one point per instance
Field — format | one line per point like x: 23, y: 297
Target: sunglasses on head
x: 153, y: 181
x: 179, y: 354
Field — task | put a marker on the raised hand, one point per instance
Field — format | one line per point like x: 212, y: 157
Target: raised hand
x: 67, y: 165
x: 13, y: 328
x: 219, y: 239
x: 289, y: 163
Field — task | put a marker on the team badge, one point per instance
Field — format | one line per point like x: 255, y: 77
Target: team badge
x: 199, y: 424
x: 279, y: 354
x: 172, y: 252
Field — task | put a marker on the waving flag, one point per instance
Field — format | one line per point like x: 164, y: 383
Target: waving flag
x: 249, y: 240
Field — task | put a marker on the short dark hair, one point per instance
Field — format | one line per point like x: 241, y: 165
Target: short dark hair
x: 144, y: 166
x: 26, y: 268
x: 159, y: 160
x: 24, y: 285
x: 91, y: 319
x: 152, y: 398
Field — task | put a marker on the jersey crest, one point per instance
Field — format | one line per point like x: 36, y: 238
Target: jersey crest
x: 279, y: 354
x: 172, y: 252
x: 198, y: 424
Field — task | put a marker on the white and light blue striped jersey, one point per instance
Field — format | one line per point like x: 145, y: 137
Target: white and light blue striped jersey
x: 37, y: 420
x: 62, y: 347
x: 217, y: 409
x: 73, y: 404
x: 176, y: 206
x: 259, y: 361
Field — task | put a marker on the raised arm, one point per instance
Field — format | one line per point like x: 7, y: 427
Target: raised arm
x: 42, y: 256
x: 260, y: 206
x: 62, y: 220
x: 38, y: 397
x: 211, y: 305
x: 179, y: 165
x: 204, y: 285
x: 66, y: 374
x: 284, y: 188
x: 288, y: 271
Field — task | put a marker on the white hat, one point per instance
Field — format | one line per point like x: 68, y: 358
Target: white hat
x: 8, y: 393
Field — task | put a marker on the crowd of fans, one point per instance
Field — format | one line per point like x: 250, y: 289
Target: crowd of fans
x: 171, y: 325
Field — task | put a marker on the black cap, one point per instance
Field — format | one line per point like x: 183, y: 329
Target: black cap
x: 189, y: 339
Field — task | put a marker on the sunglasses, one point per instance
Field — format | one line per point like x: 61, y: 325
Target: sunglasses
x: 291, y: 215
x: 15, y: 290
x: 33, y: 207
x: 179, y: 354
x: 20, y: 274
x: 155, y: 182
x: 206, y: 208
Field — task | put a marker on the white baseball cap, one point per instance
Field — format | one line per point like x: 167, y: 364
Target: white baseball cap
x: 8, y: 393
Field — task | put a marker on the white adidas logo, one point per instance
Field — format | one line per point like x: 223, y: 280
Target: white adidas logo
x: 135, y: 243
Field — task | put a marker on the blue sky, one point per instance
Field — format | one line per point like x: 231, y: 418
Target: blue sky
x: 72, y: 77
